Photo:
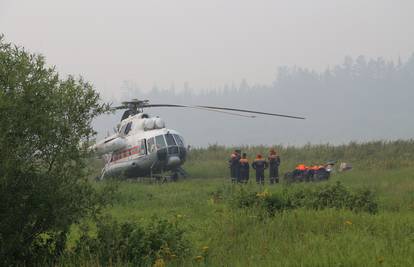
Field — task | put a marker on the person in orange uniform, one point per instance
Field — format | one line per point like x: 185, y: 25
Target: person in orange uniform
x: 274, y: 162
x: 259, y: 164
x: 234, y: 164
x: 244, y: 169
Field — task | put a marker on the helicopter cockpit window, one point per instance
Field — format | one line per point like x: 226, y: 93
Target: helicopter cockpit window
x: 159, y: 139
x: 178, y: 139
x: 151, y: 145
x: 128, y: 128
x: 170, y: 140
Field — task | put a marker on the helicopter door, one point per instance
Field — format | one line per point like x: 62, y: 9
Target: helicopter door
x: 159, y: 139
x: 172, y: 145
x: 151, y: 145
x: 161, y: 147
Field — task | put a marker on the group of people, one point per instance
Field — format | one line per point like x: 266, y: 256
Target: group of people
x: 240, y: 167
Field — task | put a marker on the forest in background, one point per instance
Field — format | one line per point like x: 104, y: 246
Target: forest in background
x: 361, y: 99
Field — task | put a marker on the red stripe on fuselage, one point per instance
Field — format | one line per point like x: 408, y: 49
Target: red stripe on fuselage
x: 125, y: 153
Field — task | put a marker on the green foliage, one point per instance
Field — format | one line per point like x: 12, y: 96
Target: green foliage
x: 43, y: 189
x: 363, y: 200
x: 129, y: 242
x: 336, y: 196
x: 322, y: 197
x: 296, y: 237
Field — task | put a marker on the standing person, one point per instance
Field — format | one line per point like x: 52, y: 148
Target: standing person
x: 244, y: 169
x: 274, y: 163
x: 237, y: 166
x: 234, y: 165
x: 259, y: 164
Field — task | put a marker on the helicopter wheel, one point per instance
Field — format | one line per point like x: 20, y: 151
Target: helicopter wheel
x: 174, y: 177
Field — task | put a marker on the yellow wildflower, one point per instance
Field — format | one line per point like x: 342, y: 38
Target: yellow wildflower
x: 380, y: 259
x: 348, y: 222
x: 263, y: 194
x: 199, y: 258
x: 159, y: 263
x: 179, y: 216
x: 205, y: 249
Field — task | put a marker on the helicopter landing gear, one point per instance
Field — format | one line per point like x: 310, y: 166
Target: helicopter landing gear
x: 160, y: 179
x: 174, y: 177
x: 181, y: 172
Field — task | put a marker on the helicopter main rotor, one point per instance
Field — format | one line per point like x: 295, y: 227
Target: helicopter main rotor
x: 133, y: 105
x: 136, y: 106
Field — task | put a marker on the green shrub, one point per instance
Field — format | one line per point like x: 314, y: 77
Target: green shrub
x: 244, y: 198
x: 335, y: 196
x: 328, y: 196
x: 262, y: 201
x: 129, y: 242
x: 43, y: 170
x: 363, y: 200
x: 275, y: 203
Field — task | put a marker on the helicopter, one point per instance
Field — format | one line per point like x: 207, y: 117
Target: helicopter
x: 142, y: 146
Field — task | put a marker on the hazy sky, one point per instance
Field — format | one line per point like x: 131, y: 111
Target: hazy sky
x: 207, y: 43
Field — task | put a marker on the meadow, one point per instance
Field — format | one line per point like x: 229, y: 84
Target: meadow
x: 219, y: 232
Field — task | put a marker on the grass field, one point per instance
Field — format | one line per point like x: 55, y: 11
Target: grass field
x: 202, y: 207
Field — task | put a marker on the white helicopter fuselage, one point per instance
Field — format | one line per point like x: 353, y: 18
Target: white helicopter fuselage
x: 141, y: 147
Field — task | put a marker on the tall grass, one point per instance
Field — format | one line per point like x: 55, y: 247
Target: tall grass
x: 212, y: 161
x: 221, y: 235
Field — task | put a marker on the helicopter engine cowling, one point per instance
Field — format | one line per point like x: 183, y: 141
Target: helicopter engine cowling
x: 110, y: 146
x: 159, y: 123
x: 149, y: 124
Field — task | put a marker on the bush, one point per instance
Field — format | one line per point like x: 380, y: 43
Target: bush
x: 275, y: 203
x: 129, y: 242
x: 363, y: 200
x: 336, y: 196
x: 244, y: 199
x: 263, y: 201
x: 43, y: 185
x: 329, y: 196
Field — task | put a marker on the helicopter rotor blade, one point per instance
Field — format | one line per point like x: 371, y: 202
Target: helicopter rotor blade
x: 211, y: 108
x: 254, y: 112
x: 119, y: 107
x: 197, y: 107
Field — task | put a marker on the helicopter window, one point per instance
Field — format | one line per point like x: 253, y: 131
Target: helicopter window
x: 160, y: 141
x: 151, y: 145
x: 179, y: 140
x: 142, y: 149
x: 122, y: 129
x: 128, y: 128
x: 170, y: 140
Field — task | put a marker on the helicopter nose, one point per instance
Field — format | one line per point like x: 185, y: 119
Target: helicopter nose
x: 173, y: 161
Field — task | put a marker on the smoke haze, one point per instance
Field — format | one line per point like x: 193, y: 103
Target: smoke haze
x: 229, y: 53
